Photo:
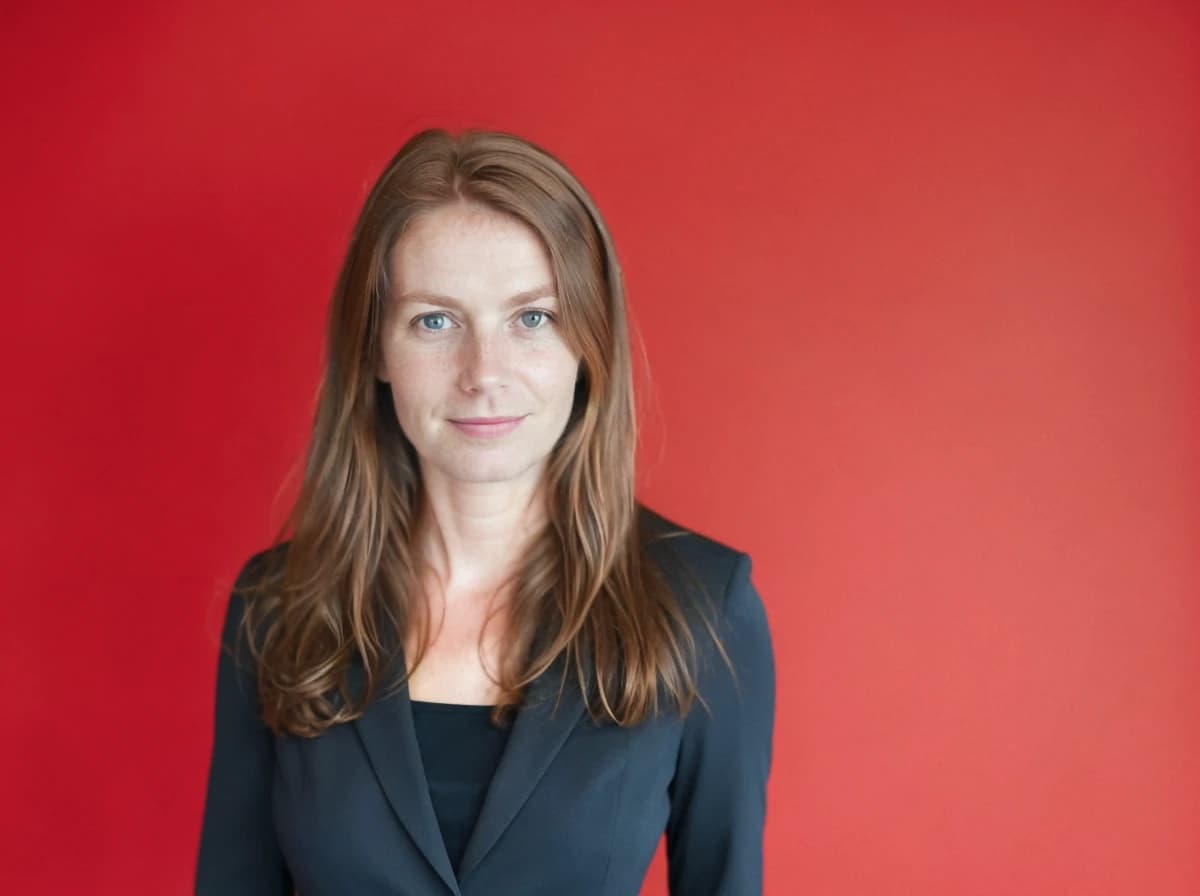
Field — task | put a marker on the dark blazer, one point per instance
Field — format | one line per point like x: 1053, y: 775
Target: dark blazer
x: 575, y: 808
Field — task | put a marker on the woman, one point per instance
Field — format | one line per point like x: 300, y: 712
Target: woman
x: 478, y: 665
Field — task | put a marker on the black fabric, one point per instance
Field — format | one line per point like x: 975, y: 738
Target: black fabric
x: 575, y: 807
x: 460, y: 749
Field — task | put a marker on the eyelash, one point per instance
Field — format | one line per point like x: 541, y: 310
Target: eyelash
x: 548, y: 316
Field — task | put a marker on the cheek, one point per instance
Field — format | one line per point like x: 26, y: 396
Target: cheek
x: 418, y: 382
x: 553, y: 376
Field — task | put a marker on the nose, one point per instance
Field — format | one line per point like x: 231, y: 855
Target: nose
x: 483, y: 361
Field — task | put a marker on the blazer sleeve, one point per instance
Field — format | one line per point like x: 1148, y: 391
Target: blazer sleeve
x: 239, y: 854
x: 719, y: 792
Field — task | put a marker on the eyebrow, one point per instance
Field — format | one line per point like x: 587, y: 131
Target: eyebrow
x: 433, y: 298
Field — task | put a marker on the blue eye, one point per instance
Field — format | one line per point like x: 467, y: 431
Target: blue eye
x: 435, y: 316
x: 539, y: 318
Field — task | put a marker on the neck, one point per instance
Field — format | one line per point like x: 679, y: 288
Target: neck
x: 473, y: 535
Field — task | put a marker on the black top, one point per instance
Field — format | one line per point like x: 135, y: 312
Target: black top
x: 460, y: 749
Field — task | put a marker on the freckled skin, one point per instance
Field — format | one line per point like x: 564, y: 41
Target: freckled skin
x: 461, y: 349
x: 477, y: 356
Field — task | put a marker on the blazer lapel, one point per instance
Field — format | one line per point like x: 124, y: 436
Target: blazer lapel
x: 538, y: 733
x: 389, y: 737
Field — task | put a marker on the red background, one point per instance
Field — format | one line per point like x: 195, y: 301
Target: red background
x: 918, y: 286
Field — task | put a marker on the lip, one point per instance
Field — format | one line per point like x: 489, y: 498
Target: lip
x: 486, y: 427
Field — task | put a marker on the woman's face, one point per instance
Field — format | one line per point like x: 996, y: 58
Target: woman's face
x: 481, y: 378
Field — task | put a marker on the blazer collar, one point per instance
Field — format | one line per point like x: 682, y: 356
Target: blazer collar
x: 538, y: 732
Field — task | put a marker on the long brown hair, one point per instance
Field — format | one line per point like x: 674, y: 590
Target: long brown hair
x: 337, y: 594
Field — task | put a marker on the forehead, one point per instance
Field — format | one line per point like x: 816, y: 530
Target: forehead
x: 468, y: 251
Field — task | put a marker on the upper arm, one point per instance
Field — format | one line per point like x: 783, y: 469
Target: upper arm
x: 719, y: 792
x: 238, y: 851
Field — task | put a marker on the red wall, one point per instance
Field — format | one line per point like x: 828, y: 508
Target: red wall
x: 918, y: 285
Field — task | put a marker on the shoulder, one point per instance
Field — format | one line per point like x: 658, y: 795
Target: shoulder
x: 694, y: 564
x: 257, y: 574
x: 712, y: 582
x: 261, y: 566
x: 251, y: 584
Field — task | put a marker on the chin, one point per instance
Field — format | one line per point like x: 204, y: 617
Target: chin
x: 493, y: 469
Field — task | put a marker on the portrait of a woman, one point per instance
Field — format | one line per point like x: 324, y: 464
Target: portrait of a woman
x: 473, y: 663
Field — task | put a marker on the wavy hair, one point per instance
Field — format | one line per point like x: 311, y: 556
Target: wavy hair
x: 340, y: 592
